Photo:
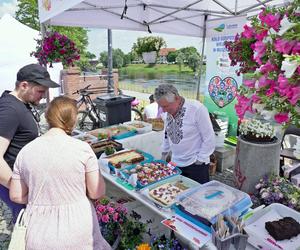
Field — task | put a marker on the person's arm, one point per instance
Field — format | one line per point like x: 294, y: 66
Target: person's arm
x: 18, y: 190
x: 5, y: 171
x: 95, y: 184
x: 207, y: 133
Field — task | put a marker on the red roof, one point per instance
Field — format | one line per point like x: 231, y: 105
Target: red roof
x: 166, y: 51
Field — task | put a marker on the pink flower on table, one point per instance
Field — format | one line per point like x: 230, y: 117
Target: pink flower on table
x: 105, y: 218
x: 100, y: 208
x: 110, y: 210
x: 248, y: 32
x: 115, y: 217
x: 284, y: 46
x: 281, y: 117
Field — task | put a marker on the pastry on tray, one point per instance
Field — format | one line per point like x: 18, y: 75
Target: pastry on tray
x: 166, y: 193
x: 283, y: 229
x: 129, y: 157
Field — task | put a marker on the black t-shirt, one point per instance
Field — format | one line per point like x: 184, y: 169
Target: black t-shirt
x: 16, y: 124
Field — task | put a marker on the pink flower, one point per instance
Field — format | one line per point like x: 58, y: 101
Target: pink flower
x: 115, y: 217
x: 295, y: 95
x: 272, y: 21
x: 255, y: 98
x: 249, y: 83
x: 100, y: 208
x: 105, y: 218
x: 260, y: 36
x: 248, y: 32
x: 296, y: 48
x: 242, y: 106
x: 260, y: 48
x: 110, y: 210
x: 268, y: 67
x: 284, y: 46
x: 281, y: 117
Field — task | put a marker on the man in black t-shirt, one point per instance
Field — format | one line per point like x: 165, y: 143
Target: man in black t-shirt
x: 17, y: 124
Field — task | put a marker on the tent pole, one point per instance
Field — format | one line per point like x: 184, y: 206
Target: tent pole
x: 202, y: 56
x: 110, y: 80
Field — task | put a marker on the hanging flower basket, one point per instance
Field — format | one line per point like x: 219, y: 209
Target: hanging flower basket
x: 55, y: 47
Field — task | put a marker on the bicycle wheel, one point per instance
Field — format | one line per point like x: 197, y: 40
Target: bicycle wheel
x: 84, y: 122
x: 136, y: 115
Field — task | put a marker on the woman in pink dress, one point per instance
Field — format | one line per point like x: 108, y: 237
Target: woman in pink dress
x: 56, y: 175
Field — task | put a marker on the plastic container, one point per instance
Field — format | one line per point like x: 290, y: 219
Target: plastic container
x: 187, y: 182
x: 140, y: 126
x: 138, y: 184
x: 86, y: 137
x: 99, y: 147
x: 111, y: 133
x: 203, y: 204
x: 114, y: 170
x: 113, y: 109
x: 259, y: 236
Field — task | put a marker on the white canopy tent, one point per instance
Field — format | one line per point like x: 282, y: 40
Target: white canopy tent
x: 16, y: 43
x: 180, y: 17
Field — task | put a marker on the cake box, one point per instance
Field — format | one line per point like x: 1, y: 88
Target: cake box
x: 203, y: 204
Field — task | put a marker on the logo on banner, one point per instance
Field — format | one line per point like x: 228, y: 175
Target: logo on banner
x: 222, y: 91
x: 220, y: 28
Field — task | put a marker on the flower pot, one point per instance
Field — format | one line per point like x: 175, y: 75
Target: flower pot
x: 253, y: 161
x: 149, y: 57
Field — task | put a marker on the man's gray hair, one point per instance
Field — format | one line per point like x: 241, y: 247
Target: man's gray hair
x: 166, y: 91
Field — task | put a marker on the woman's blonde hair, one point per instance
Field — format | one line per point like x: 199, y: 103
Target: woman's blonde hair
x: 62, y: 113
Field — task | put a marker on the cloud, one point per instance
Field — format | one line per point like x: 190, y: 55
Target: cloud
x: 8, y: 7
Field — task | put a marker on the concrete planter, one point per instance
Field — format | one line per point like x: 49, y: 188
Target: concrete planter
x: 149, y: 57
x: 253, y: 161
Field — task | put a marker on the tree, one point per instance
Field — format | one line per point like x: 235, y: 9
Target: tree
x: 148, y: 44
x: 118, y: 58
x: 193, y: 61
x: 171, y: 57
x: 180, y: 60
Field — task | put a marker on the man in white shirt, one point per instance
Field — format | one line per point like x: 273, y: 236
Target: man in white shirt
x: 151, y: 110
x: 189, y: 133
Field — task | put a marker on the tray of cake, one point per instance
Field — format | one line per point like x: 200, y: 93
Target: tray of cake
x: 204, y: 203
x: 140, y: 126
x: 274, y: 227
x: 125, y: 158
x: 164, y: 193
x: 147, y: 173
x: 116, y: 132
x: 157, y: 123
x: 99, y: 147
x: 86, y: 137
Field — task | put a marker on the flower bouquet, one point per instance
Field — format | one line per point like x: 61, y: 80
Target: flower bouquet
x: 256, y: 131
x: 55, y: 47
x: 268, y: 54
x: 271, y: 189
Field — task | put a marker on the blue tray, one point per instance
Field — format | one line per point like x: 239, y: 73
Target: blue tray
x: 147, y: 157
x: 139, y: 184
x: 124, y: 135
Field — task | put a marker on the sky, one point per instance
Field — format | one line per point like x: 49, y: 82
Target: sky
x: 120, y: 38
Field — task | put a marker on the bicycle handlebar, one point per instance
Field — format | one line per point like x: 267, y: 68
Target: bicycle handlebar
x: 79, y: 91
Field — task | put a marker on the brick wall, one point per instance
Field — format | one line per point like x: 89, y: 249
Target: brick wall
x: 72, y: 80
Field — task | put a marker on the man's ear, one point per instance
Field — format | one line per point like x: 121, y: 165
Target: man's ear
x: 23, y: 85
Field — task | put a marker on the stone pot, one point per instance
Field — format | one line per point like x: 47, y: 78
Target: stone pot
x: 253, y: 161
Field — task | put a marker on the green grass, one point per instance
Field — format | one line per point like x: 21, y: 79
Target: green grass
x: 155, y: 68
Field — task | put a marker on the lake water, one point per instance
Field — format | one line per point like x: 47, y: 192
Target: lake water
x: 185, y: 83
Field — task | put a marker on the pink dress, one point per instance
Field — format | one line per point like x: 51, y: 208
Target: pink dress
x: 62, y: 216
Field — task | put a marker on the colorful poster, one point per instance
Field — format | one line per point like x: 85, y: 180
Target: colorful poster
x: 221, y: 81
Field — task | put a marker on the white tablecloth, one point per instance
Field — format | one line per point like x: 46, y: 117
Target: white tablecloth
x: 148, y: 142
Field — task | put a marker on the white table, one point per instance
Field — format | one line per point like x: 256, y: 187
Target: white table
x: 148, y: 142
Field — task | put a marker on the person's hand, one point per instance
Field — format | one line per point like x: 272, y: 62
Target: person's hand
x: 166, y: 156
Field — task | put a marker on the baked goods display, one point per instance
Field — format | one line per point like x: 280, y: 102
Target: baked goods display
x: 166, y: 193
x: 151, y: 172
x: 87, y: 138
x: 283, y: 229
x: 100, y: 146
x: 114, y: 132
x: 129, y: 157
x: 157, y: 124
